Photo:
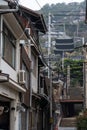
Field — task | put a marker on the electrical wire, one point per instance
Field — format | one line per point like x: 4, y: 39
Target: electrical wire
x: 38, y: 3
x: 24, y: 32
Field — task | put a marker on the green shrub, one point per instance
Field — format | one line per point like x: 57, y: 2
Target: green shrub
x: 82, y: 121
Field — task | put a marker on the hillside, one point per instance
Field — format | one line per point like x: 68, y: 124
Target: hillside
x: 72, y: 15
x: 68, y: 18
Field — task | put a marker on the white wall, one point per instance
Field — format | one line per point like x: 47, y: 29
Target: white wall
x: 34, y: 83
x: 34, y: 77
x: 8, y: 70
x: 4, y: 66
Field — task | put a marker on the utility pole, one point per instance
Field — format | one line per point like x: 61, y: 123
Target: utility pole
x: 85, y: 72
x: 63, y: 60
x: 85, y: 77
x: 49, y: 67
x: 85, y: 67
x: 64, y: 29
x: 49, y: 42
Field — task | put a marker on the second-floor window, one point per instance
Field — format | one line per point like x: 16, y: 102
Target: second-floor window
x: 9, y: 46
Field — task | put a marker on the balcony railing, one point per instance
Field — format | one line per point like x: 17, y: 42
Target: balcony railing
x: 65, y: 97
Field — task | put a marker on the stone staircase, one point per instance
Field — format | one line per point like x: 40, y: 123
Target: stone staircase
x: 67, y: 128
x: 68, y: 122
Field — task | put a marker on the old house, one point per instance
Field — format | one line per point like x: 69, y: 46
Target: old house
x: 38, y: 95
x: 24, y: 95
x: 11, y: 88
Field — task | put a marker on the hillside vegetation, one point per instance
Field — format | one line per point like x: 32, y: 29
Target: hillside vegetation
x: 72, y: 15
x: 71, y: 19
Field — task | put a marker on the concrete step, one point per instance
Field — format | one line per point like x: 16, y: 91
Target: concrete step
x: 68, y: 122
x: 67, y: 128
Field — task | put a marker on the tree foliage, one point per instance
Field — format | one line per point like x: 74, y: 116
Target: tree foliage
x: 68, y: 14
x: 82, y: 121
x: 76, y: 71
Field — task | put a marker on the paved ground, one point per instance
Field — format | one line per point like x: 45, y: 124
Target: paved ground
x: 67, y: 128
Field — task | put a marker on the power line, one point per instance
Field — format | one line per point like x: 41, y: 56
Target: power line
x: 41, y: 9
x: 38, y: 3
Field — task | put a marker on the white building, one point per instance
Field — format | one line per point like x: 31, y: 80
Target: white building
x: 10, y: 88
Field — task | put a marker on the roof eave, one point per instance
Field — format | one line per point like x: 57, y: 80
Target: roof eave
x: 40, y: 20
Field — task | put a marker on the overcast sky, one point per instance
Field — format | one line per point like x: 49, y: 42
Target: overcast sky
x: 36, y: 4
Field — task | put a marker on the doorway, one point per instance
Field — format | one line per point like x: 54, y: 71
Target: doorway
x: 4, y: 115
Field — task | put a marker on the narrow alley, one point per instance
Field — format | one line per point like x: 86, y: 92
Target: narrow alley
x: 43, y: 65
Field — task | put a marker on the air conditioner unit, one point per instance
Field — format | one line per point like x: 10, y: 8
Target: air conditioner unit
x: 41, y: 90
x: 32, y: 65
x: 22, y: 77
x: 22, y: 42
x: 28, y: 30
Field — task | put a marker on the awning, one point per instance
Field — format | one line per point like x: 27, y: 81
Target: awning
x: 42, y: 99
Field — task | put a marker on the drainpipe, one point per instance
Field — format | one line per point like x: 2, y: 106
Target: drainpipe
x: 49, y: 69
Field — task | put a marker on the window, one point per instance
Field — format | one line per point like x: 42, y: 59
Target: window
x: 9, y: 46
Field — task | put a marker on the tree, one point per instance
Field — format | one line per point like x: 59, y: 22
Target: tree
x: 76, y: 71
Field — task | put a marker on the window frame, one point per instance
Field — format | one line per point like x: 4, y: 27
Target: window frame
x: 8, y: 38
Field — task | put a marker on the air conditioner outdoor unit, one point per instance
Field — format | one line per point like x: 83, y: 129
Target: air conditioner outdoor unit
x: 22, y: 77
x: 41, y: 91
x: 28, y: 30
x: 22, y: 42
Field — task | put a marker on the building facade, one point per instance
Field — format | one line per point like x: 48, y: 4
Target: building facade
x: 23, y: 105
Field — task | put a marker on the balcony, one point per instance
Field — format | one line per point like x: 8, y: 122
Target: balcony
x: 5, y: 80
